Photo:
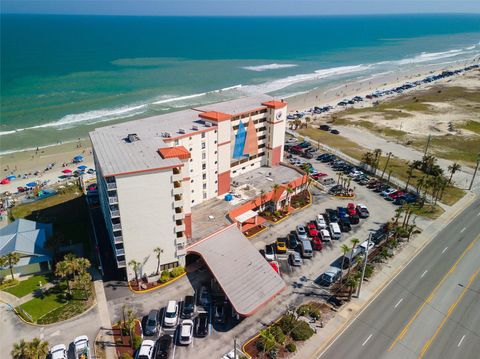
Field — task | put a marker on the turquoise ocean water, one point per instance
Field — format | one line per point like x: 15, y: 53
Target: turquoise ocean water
x: 62, y: 76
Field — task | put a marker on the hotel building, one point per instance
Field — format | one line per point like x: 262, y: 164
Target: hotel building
x: 151, y: 172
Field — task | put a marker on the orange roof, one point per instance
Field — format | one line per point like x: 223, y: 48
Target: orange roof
x: 215, y: 116
x: 275, y: 104
x: 277, y: 193
x: 174, y: 152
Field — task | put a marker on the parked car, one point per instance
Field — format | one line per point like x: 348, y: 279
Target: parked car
x: 325, y: 127
x: 186, y: 332
x: 188, y: 309
x: 201, y: 325
x: 354, y: 219
x: 145, y: 352
x: 292, y: 242
x: 332, y: 216
x: 320, y: 221
x: 317, y: 244
x: 275, y: 267
x: 318, y: 175
x: 362, y: 211
x: 344, y: 224
x: 295, y: 259
x: 351, y: 209
x: 335, y: 132
x: 312, y: 229
x: 151, y: 328
x: 82, y: 347
x: 306, y: 249
x: 282, y: 245
x: 219, y: 315
x: 335, y: 231
x: 171, y: 314
x: 330, y: 276
x: 387, y: 192
x: 325, y: 236
x: 164, y: 343
x: 269, y: 252
x: 301, y: 232
x: 365, y: 245
x: 58, y: 351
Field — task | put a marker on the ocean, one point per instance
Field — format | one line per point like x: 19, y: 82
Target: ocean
x: 62, y: 76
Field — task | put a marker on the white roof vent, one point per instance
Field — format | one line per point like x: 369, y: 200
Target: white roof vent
x: 195, y: 127
x: 182, y: 130
x: 166, y: 134
x: 208, y: 124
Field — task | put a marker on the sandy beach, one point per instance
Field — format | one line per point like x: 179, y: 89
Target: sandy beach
x: 26, y: 163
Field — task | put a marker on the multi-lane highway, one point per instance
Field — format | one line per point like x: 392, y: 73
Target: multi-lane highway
x: 431, y: 309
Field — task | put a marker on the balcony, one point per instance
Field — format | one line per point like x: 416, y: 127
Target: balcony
x: 177, y: 190
x: 117, y: 227
x: 111, y: 186
x: 118, y: 239
x: 120, y: 252
x: 177, y: 177
x: 178, y: 204
x: 112, y: 199
x: 180, y: 228
x: 179, y: 216
x: 114, y: 213
x: 121, y: 264
x: 181, y: 251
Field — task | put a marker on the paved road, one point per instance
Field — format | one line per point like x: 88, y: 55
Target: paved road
x: 431, y: 309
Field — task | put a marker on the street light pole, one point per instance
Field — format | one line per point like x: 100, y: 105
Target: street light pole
x: 364, y: 265
x: 475, y: 172
x: 235, y: 347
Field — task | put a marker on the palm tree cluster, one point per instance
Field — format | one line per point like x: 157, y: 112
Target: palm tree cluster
x: 75, y: 271
x: 351, y: 281
x: 9, y: 260
x: 35, y: 349
x: 345, y: 182
x: 372, y: 159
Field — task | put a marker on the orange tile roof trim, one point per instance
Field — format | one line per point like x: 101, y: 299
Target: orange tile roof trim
x: 275, y: 104
x: 174, y: 152
x: 215, y: 116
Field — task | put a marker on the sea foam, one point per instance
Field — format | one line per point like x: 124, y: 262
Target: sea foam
x: 261, y: 68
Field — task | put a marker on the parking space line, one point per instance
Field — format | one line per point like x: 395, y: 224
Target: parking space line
x: 398, y: 303
x: 478, y: 215
x: 444, y: 250
x: 174, y: 344
x: 461, y: 341
x: 463, y: 230
x: 366, y: 340
x: 423, y: 274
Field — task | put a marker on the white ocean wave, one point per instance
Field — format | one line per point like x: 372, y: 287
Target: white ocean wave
x: 429, y: 57
x: 261, y: 68
x: 168, y: 99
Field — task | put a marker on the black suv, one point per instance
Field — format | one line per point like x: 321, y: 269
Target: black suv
x: 331, y: 215
x: 201, y: 325
x: 163, y: 346
x: 325, y: 127
x: 292, y: 241
x: 188, y: 308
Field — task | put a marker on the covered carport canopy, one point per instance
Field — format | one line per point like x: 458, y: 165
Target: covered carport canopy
x: 246, y: 216
x: 244, y: 275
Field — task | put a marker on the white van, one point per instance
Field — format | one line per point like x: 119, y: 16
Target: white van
x: 325, y: 236
x: 328, y: 181
x: 171, y: 314
x: 320, y: 221
x: 306, y: 249
x: 330, y: 276
x: 335, y: 231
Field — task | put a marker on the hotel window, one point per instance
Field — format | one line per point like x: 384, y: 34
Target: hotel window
x: 204, y: 195
x: 203, y: 134
x: 176, y: 142
x: 204, y: 155
x: 204, y: 186
x: 204, y: 176
x: 204, y: 166
x: 262, y: 137
x: 203, y: 145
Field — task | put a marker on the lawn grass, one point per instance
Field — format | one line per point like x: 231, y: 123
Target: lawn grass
x: 38, y: 307
x: 397, y: 166
x: 27, y: 286
x: 470, y: 125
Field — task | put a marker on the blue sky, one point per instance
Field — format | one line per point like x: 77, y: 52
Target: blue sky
x: 237, y: 7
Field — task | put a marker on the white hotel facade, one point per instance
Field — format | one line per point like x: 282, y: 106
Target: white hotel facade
x: 151, y: 172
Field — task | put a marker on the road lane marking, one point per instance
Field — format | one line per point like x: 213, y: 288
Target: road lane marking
x: 450, y: 311
x: 461, y: 341
x: 478, y: 215
x: 366, y: 340
x: 430, y: 297
x: 423, y: 274
x: 444, y: 250
x: 396, y: 305
x: 463, y: 230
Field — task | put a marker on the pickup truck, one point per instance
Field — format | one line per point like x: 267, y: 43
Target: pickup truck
x: 82, y: 349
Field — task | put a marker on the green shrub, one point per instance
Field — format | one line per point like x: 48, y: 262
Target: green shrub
x: 126, y: 356
x: 165, y: 276
x: 278, y: 334
x: 315, y: 313
x: 260, y: 345
x: 287, y: 323
x: 291, y: 347
x: 8, y: 283
x: 368, y: 270
x: 303, y: 309
x: 137, y: 341
x: 177, y: 271
x: 302, y: 331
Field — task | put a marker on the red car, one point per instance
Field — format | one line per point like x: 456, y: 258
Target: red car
x: 351, y: 211
x: 274, y: 265
x: 318, y: 175
x: 312, y: 230
x: 317, y: 244
x: 394, y: 195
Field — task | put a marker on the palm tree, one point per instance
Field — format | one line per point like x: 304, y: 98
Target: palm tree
x: 10, y: 260
x: 158, y: 251
x: 345, y: 249
x: 377, y: 155
x: 135, y: 266
x: 454, y: 167
x: 411, y: 167
x: 37, y: 349
x: 368, y: 159
x: 398, y: 214
x: 290, y: 191
x: 354, y: 242
x: 19, y: 350
x: 352, y: 284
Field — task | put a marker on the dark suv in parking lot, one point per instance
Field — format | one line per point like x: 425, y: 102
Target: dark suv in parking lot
x: 331, y: 215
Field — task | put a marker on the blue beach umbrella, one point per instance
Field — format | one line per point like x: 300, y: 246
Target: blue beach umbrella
x: 82, y: 167
x: 31, y: 184
x: 78, y: 158
x: 11, y: 177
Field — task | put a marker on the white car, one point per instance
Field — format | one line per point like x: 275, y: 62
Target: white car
x: 388, y: 192
x: 59, y: 351
x: 186, y: 332
x: 146, y: 350
x: 82, y: 349
x: 320, y: 221
x: 363, y: 246
x: 171, y: 314
x: 325, y: 236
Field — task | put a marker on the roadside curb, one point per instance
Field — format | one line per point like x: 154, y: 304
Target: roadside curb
x: 143, y: 291
x: 326, y: 344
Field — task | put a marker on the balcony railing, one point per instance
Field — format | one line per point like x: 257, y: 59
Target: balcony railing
x: 181, y: 251
x: 177, y: 190
x: 179, y: 216
x: 121, y: 264
x: 114, y: 213
x: 117, y: 227
x: 111, y: 186
x: 118, y: 239
x: 180, y: 228
x: 177, y: 204
x: 112, y: 199
x: 120, y: 252
x: 177, y: 177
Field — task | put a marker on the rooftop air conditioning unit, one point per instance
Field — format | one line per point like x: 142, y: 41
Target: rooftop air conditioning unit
x: 208, y: 124
x: 195, y: 127
x: 182, y: 130
x: 166, y: 134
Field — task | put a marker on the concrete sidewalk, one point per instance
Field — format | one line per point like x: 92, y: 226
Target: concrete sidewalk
x: 380, y: 279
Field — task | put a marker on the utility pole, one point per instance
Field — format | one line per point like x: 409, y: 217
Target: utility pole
x: 364, y: 265
x: 235, y: 347
x: 386, y: 164
x: 428, y: 144
x: 475, y: 172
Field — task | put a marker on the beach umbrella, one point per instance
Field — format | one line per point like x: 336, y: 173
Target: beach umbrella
x: 78, y: 158
x: 5, y: 181
x: 11, y: 177
x: 82, y: 167
x: 31, y: 184
x: 67, y: 171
